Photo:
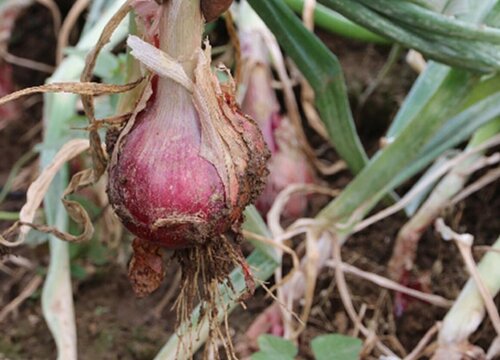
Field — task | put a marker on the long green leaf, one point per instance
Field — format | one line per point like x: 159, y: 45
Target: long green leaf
x: 473, y: 55
x: 398, y: 155
x: 431, y: 21
x: 455, y: 131
x: 334, y: 22
x: 421, y: 92
x: 435, y: 74
x: 426, y: 85
x: 322, y: 69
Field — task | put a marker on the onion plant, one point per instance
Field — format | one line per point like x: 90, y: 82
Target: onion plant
x: 184, y: 162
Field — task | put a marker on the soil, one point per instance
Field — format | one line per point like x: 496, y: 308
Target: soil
x: 113, y: 324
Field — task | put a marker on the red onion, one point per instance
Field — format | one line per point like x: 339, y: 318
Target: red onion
x: 188, y: 162
x: 168, y: 193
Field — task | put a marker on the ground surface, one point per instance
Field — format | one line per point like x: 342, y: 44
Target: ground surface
x: 113, y: 324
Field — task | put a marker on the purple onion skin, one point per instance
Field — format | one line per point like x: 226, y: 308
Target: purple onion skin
x: 160, y: 174
x: 184, y: 172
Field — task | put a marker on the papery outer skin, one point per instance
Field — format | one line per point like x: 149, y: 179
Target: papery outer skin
x: 231, y: 140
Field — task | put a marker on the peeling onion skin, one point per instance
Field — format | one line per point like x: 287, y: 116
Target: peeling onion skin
x: 186, y: 166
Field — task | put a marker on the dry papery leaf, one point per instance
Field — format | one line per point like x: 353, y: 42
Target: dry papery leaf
x: 38, y: 189
x: 159, y: 62
x: 80, y: 88
x: 99, y: 158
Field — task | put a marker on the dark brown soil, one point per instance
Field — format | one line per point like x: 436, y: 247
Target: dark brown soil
x: 113, y: 324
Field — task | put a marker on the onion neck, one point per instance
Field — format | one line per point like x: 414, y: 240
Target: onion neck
x: 181, y: 28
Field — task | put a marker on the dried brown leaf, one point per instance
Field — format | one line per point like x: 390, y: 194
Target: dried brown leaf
x: 98, y: 156
x: 39, y: 188
x: 87, y: 88
x: 90, y: 61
